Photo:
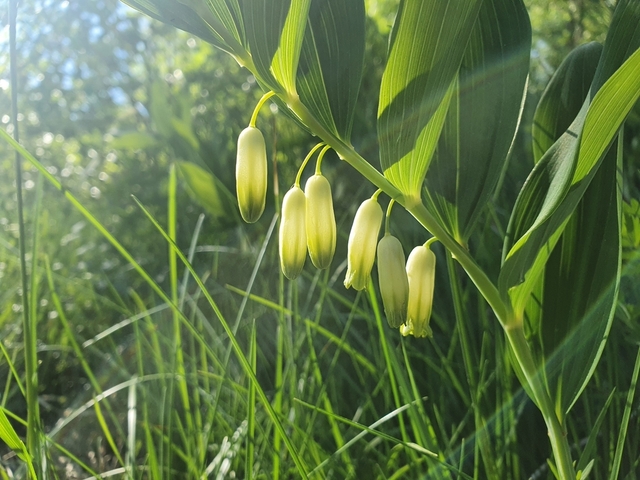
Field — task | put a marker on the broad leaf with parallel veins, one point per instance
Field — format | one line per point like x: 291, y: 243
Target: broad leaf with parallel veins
x: 428, y: 42
x: 483, y: 116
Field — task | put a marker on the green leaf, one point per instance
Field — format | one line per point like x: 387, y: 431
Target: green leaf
x: 581, y: 281
x: 427, y: 45
x: 215, y: 21
x: 483, y: 116
x: 202, y: 187
x: 562, y: 266
x: 554, y: 188
x: 589, y: 448
x: 564, y: 96
x: 275, y: 31
x: 607, y: 112
x: 331, y: 62
x: 134, y: 141
x: 185, y: 131
x: 285, y: 61
x: 9, y: 436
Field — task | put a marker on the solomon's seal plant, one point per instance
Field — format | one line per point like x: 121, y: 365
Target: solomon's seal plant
x: 451, y: 98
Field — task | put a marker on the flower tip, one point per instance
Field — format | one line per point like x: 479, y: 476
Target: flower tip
x: 408, y: 328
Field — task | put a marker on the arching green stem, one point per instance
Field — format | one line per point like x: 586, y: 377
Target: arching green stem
x: 320, y: 158
x: 387, y: 218
x: 261, y: 102
x: 305, y: 161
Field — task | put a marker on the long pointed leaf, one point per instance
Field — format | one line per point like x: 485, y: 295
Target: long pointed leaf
x: 483, y: 116
x: 428, y: 41
x: 275, y: 31
x: 331, y: 63
x: 215, y: 21
x: 553, y: 190
x: 581, y: 282
x: 564, y: 96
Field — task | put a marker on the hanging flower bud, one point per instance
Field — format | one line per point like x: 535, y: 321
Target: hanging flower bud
x: 362, y: 244
x: 293, y: 234
x: 421, y: 271
x: 321, y: 222
x: 251, y: 174
x: 394, y: 285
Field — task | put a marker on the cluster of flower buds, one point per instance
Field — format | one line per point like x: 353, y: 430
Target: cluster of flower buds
x: 407, y: 291
x: 307, y: 224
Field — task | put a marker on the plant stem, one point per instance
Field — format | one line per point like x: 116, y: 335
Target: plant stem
x: 261, y: 102
x: 557, y: 434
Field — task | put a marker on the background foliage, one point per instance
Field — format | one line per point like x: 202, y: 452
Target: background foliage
x: 109, y: 100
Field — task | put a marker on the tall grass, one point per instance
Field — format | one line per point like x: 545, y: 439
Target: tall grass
x: 310, y: 366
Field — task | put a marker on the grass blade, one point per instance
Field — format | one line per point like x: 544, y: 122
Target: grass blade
x: 236, y: 347
x: 593, y: 436
x: 624, y: 425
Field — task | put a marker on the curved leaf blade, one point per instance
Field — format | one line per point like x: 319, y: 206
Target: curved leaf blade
x: 564, y: 96
x: 580, y: 289
x: 202, y: 187
x: 551, y: 193
x: 483, y: 116
x: 275, y: 31
x: 427, y: 45
x: 215, y: 21
x: 331, y: 62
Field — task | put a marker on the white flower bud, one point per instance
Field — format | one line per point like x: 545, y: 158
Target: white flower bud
x: 421, y: 271
x: 321, y: 222
x: 392, y: 276
x: 362, y: 244
x: 293, y: 234
x: 251, y: 174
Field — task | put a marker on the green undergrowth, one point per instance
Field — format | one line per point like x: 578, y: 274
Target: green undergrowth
x: 265, y: 378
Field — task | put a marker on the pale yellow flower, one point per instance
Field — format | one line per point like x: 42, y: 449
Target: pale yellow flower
x: 293, y: 234
x: 392, y: 276
x: 251, y: 174
x: 321, y: 222
x: 363, y: 239
x: 421, y: 272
